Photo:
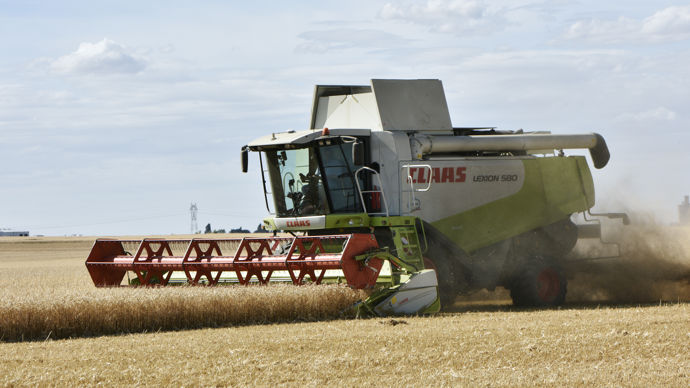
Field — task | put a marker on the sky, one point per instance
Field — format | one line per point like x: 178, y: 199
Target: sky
x: 115, y: 116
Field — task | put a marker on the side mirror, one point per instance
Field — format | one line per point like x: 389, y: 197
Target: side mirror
x: 358, y: 153
x: 245, y: 159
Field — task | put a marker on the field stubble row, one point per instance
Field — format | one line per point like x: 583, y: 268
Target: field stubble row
x: 631, y: 346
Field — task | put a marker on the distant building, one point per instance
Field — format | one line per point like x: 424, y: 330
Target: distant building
x: 684, y: 211
x: 17, y: 233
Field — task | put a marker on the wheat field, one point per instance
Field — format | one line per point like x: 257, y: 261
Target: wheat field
x: 622, y: 346
x: 48, y: 294
x: 595, y: 339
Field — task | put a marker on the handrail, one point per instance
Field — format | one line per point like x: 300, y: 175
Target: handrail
x: 414, y: 204
x: 381, y: 190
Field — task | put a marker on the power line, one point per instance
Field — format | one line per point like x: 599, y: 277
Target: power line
x: 100, y: 222
x: 194, y: 225
x: 228, y: 215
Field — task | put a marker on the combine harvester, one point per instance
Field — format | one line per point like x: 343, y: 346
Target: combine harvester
x: 383, y: 193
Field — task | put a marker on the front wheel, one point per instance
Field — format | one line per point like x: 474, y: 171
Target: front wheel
x: 539, y: 283
x: 445, y: 275
x: 449, y: 262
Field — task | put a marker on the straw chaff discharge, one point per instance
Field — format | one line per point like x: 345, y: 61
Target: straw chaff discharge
x: 654, y: 265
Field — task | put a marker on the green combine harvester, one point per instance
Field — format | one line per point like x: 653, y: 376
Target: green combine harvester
x: 383, y: 193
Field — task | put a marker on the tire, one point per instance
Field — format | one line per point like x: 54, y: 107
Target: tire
x: 539, y: 283
x: 443, y: 256
x: 446, y: 281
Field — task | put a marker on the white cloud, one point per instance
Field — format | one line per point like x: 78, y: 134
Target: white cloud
x: 606, y: 31
x: 672, y: 22
x: 346, y: 38
x: 657, y: 114
x: 669, y: 24
x: 442, y: 15
x: 104, y: 57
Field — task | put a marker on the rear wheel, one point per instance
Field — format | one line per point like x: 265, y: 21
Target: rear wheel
x: 540, y: 282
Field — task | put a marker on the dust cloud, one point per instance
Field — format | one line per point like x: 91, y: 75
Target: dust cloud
x: 654, y: 265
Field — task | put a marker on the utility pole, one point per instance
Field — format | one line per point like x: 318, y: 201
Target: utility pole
x: 193, y: 210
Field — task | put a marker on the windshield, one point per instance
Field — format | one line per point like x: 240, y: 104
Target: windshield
x: 296, y: 182
x: 301, y: 189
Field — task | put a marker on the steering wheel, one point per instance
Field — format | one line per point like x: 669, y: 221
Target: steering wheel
x: 290, y: 189
x: 309, y: 178
x: 288, y: 174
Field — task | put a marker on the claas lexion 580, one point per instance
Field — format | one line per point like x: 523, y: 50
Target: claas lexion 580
x: 383, y: 193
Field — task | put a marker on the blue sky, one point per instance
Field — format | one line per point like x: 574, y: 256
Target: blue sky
x: 116, y: 115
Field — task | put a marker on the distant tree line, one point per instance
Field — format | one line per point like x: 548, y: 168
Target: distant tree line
x: 259, y: 229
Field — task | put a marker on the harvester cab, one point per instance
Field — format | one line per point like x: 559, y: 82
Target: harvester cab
x: 383, y: 193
